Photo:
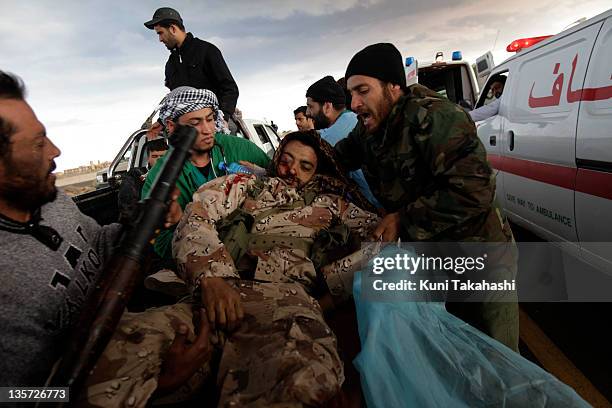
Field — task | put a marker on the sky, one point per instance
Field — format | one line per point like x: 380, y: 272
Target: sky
x: 94, y: 73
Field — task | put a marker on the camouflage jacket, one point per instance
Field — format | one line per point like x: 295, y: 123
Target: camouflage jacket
x: 286, y: 222
x: 427, y: 163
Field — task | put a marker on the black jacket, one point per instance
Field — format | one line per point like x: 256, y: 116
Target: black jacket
x: 199, y: 64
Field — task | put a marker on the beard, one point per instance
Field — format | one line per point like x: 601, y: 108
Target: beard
x: 320, y: 121
x: 27, y: 194
x: 380, y: 110
x: 28, y: 191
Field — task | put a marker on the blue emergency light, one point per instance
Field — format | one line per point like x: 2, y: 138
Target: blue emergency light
x: 409, y: 61
x: 457, y: 56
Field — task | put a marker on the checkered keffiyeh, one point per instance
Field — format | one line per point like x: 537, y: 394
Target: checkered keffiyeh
x: 185, y: 99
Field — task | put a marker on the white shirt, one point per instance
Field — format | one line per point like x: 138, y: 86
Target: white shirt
x: 485, y: 111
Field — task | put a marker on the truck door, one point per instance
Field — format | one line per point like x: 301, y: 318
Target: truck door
x: 483, y: 67
x: 264, y: 139
x: 594, y: 152
x: 539, y: 135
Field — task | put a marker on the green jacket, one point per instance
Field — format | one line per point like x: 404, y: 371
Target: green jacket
x: 427, y: 162
x: 190, y: 179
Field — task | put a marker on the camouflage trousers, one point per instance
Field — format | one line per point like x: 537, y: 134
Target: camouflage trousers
x: 282, y: 355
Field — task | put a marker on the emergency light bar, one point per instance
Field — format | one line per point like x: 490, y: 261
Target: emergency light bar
x: 518, y: 45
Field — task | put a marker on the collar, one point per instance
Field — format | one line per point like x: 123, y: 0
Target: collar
x: 8, y: 224
x: 342, y: 113
x: 46, y: 235
x: 186, y: 44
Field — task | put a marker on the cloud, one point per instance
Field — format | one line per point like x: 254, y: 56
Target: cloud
x: 94, y: 72
x: 273, y: 9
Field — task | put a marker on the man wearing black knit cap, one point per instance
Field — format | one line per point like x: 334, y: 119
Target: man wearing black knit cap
x: 423, y: 161
x: 325, y: 101
x: 326, y: 104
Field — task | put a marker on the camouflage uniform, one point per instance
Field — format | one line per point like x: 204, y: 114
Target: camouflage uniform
x: 427, y: 163
x: 283, y: 354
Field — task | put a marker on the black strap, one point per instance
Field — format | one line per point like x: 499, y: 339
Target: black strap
x: 43, y: 234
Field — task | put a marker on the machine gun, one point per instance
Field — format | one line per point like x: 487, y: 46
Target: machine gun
x: 104, y: 307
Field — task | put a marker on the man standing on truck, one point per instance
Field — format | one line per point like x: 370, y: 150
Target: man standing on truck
x: 199, y: 108
x: 424, y: 162
x: 325, y: 101
x: 194, y: 62
x: 51, y: 256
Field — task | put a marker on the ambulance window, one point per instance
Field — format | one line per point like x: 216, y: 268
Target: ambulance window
x: 482, y: 65
x: 491, y: 88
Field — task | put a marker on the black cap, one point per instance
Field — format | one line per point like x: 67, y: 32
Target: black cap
x: 381, y: 61
x: 161, y: 14
x: 326, y: 89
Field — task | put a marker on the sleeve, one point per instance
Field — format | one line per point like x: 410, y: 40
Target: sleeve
x: 151, y: 175
x: 485, y: 111
x: 243, y: 149
x: 359, y: 221
x: 162, y: 243
x: 167, y: 74
x: 103, y: 239
x: 348, y: 150
x: 227, y: 90
x: 106, y: 240
x: 465, y: 186
x: 339, y: 274
x: 196, y: 245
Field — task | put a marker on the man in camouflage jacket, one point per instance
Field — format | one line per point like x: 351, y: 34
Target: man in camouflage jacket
x: 244, y: 248
x: 423, y: 160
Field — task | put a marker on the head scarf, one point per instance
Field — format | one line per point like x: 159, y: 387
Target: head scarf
x: 330, y: 177
x: 186, y: 99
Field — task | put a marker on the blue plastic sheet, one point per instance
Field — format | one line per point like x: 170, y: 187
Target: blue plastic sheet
x: 416, y: 354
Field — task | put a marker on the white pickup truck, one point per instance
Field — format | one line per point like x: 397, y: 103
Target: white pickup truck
x: 133, y: 154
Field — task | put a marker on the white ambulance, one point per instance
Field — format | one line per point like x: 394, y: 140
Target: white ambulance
x: 551, y: 141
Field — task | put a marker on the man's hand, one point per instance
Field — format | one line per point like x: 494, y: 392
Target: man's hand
x: 388, y: 229
x: 183, y: 358
x: 222, y: 303
x: 175, y: 212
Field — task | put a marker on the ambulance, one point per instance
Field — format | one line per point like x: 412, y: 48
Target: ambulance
x: 551, y: 142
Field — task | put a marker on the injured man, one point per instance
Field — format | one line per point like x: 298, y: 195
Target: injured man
x: 257, y: 254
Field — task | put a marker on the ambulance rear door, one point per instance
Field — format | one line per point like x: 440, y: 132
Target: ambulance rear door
x: 594, y: 153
